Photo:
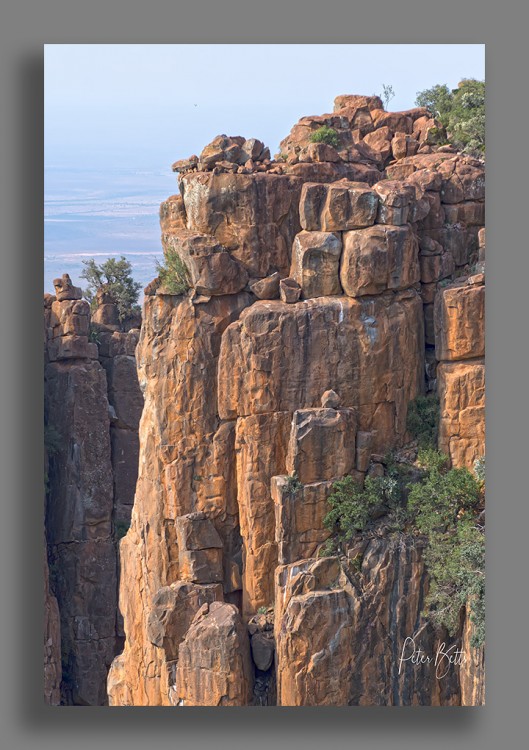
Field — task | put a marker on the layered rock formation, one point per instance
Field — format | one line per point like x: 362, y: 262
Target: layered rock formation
x: 327, y: 289
x: 91, y: 483
x: 289, y: 363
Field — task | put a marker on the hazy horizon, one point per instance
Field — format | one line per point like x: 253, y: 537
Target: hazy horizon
x: 118, y: 115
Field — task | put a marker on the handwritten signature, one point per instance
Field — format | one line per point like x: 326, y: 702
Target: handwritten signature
x: 443, y: 659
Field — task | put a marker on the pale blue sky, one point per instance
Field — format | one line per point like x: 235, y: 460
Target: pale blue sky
x: 148, y: 105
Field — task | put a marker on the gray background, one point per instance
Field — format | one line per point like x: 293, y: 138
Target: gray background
x: 25, y: 26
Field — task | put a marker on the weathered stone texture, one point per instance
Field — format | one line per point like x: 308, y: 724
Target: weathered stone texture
x: 461, y: 387
x: 214, y: 664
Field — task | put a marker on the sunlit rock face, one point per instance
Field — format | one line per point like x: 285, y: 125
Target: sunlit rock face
x: 321, y: 292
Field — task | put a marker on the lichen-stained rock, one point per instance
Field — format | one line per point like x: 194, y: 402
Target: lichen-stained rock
x: 280, y: 357
x: 321, y: 444
x: 185, y: 466
x: 254, y: 216
x: 461, y: 388
x: 337, y: 206
x: 173, y: 610
x: 316, y: 263
x: 117, y: 355
x: 472, y: 671
x: 403, y: 145
x: 199, y: 549
x: 214, y: 663
x: 395, y: 199
x: 332, y: 171
x: 380, y: 141
x: 459, y: 319
x: 300, y: 510
x: 348, y: 101
x: 379, y: 258
x: 261, y: 449
x: 211, y: 269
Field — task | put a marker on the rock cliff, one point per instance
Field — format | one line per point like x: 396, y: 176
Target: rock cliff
x: 320, y: 293
x: 91, y: 413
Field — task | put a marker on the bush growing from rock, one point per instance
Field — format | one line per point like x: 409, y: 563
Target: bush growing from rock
x: 115, y: 277
x: 327, y: 135
x: 173, y: 274
x: 422, y: 420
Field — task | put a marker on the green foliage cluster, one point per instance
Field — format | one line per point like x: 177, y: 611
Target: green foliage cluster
x: 115, y: 277
x: 173, y: 273
x: 327, y: 135
x: 353, y: 507
x: 445, y: 506
x: 461, y: 111
x: 422, y: 420
x: 293, y: 483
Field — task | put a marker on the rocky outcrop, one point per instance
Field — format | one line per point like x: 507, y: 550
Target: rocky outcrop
x: 91, y: 481
x: 81, y: 549
x: 316, y: 290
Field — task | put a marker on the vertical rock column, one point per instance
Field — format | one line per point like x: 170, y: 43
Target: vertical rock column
x: 81, y: 549
x: 183, y: 468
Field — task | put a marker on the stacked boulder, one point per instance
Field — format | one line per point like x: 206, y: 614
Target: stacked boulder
x: 81, y: 549
x: 288, y: 362
x: 92, y: 408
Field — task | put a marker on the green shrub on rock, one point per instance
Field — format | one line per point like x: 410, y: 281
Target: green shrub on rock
x: 422, y: 420
x: 327, y: 135
x: 173, y: 274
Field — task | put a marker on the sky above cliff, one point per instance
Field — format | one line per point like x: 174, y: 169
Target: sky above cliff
x: 148, y: 105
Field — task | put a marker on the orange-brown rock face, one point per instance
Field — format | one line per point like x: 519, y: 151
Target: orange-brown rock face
x: 460, y: 322
x: 341, y: 636
x: 460, y: 345
x: 289, y: 363
x: 253, y: 216
x: 368, y: 350
x: 214, y: 665
x: 462, y: 394
x: 183, y: 468
x: 472, y: 672
x: 379, y: 258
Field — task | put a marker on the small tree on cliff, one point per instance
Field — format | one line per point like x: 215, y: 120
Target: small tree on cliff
x: 115, y: 276
x: 461, y: 111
